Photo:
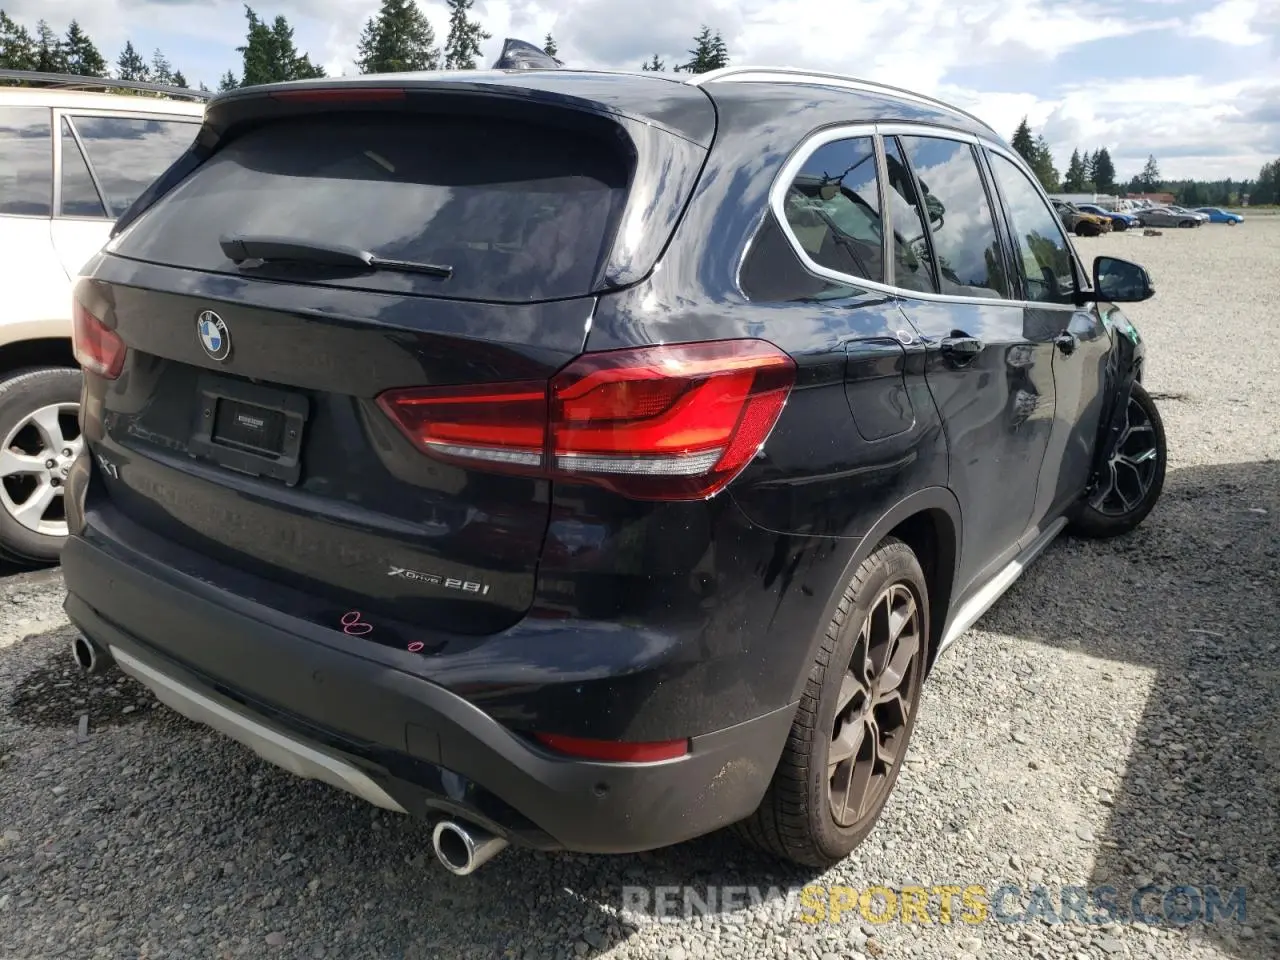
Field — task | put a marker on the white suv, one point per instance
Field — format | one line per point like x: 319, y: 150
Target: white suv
x: 70, y: 163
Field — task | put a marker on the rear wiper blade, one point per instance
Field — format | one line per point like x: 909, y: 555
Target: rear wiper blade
x: 268, y: 249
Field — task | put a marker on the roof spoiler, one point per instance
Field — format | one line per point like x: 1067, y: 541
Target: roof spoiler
x: 68, y: 81
x: 522, y: 55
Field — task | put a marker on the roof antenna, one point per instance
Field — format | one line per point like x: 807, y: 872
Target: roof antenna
x: 522, y: 55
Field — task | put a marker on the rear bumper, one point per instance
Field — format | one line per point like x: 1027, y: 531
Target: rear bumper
x: 390, y: 736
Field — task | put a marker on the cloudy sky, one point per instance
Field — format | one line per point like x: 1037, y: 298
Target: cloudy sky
x: 1196, y: 82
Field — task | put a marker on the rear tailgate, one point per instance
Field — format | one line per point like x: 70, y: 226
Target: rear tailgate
x: 245, y: 424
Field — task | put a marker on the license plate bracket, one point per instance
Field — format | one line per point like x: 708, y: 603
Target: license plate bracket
x: 249, y: 428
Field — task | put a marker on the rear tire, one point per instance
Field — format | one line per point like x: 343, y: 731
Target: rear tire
x: 859, y: 705
x: 1135, y: 475
x: 38, y: 425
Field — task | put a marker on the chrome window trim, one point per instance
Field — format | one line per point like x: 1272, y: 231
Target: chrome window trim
x: 787, y: 173
x: 764, y: 74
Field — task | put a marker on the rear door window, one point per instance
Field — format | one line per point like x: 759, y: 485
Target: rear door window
x: 128, y: 153
x: 970, y: 259
x: 518, y: 212
x: 26, y: 161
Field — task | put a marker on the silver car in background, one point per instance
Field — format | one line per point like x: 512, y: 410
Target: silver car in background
x: 1168, y: 217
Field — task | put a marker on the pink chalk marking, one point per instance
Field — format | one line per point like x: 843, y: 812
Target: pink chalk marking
x: 353, y: 626
x: 416, y: 646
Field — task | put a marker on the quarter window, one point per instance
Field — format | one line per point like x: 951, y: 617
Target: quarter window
x: 128, y: 153
x: 969, y: 258
x: 79, y: 195
x: 833, y: 209
x: 1042, y: 247
x: 26, y: 161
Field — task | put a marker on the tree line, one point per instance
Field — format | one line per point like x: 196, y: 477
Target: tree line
x: 74, y: 53
x: 399, y: 37
x: 1094, y: 172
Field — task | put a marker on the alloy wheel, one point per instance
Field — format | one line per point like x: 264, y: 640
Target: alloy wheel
x: 1132, y: 467
x: 34, y: 462
x: 869, y: 735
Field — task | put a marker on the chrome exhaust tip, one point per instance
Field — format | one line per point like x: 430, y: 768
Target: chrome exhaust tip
x: 90, y: 657
x: 462, y: 848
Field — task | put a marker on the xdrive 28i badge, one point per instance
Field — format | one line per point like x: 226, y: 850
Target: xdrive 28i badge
x: 214, y: 335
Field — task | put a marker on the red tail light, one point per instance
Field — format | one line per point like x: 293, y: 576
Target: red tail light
x: 339, y: 95
x: 653, y: 423
x: 97, y: 349
x: 614, y: 751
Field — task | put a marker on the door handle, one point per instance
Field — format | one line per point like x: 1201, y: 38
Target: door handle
x: 960, y: 348
x: 1066, y: 342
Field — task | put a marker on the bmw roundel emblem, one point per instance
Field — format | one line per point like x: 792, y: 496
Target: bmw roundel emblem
x: 214, y: 336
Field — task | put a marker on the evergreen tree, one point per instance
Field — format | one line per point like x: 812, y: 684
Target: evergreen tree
x: 549, y: 46
x: 1150, y: 176
x: 1089, y: 161
x: 462, y: 46
x: 1024, y: 143
x: 50, y: 57
x: 1043, y: 166
x: 161, y: 69
x: 82, y: 57
x: 709, y: 53
x: 179, y: 80
x: 399, y: 38
x: 1104, y: 171
x: 655, y: 65
x: 130, y: 65
x: 1075, y: 179
x: 269, y: 53
x: 228, y: 82
x: 17, y: 47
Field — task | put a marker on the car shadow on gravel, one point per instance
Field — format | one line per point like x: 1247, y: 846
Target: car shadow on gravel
x: 1193, y: 595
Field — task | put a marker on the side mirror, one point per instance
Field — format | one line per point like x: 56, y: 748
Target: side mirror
x: 1121, y: 281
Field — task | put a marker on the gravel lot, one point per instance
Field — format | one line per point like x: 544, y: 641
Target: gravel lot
x: 1114, y: 720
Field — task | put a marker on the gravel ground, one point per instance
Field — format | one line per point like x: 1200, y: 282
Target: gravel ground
x: 1112, y: 721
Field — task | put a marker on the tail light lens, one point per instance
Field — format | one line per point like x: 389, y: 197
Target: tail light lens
x: 97, y: 349
x: 674, y: 422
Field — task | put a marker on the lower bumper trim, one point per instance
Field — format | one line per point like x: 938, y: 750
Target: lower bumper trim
x: 284, y: 751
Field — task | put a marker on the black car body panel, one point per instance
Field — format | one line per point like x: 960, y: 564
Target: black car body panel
x: 501, y: 605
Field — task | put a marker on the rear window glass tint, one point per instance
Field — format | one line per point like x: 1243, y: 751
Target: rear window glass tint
x: 26, y: 161
x: 518, y: 212
x: 128, y: 153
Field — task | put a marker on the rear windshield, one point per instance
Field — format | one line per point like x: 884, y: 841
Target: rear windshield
x: 518, y: 212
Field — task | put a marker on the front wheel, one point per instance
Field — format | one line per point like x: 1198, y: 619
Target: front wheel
x: 38, y: 423
x: 859, y: 706
x: 1188, y: 223
x: 1133, y: 477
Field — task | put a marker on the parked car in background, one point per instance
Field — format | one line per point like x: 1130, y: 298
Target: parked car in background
x: 1218, y: 215
x: 1119, y: 221
x: 1079, y: 222
x: 363, y: 491
x: 70, y: 163
x: 1168, y: 217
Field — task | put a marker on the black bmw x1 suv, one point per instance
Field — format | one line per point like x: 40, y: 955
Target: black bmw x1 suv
x: 588, y: 461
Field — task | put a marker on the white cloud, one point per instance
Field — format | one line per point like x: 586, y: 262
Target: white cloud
x: 1230, y: 22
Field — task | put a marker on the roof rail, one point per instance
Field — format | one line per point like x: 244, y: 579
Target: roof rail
x: 795, y: 75
x: 68, y: 81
